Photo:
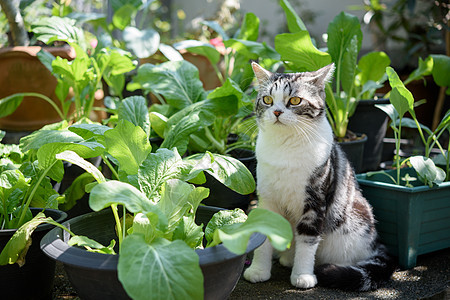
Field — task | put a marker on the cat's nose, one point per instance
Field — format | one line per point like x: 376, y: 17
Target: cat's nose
x: 277, y: 113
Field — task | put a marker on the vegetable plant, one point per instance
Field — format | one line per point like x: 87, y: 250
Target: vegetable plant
x: 24, y: 183
x: 79, y: 79
x: 402, y: 102
x: 191, y: 118
x: 154, y: 203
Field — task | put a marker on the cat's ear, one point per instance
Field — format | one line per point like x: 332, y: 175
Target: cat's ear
x: 261, y: 74
x: 323, y: 75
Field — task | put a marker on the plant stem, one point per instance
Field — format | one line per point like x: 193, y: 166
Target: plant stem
x: 33, y: 191
x: 105, y: 159
x: 50, y: 101
x: 397, y: 147
x: 216, y: 144
x: 118, y: 224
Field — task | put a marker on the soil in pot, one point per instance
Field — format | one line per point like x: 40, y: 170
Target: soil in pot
x: 34, y: 280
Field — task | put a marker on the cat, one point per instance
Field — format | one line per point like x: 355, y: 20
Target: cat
x: 303, y: 175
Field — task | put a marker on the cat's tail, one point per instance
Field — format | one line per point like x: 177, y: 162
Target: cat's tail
x: 365, y: 276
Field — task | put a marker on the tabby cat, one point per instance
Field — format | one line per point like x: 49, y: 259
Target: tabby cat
x: 305, y: 176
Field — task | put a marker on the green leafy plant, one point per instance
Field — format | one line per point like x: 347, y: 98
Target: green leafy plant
x: 402, y: 102
x: 24, y: 183
x: 79, y: 79
x: 190, y: 118
x: 154, y: 204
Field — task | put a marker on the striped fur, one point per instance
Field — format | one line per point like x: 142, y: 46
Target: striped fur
x: 304, y: 176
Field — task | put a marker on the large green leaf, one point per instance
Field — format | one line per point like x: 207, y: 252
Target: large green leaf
x: 122, y: 16
x: 42, y: 137
x: 116, y: 192
x: 200, y: 48
x: 294, y: 22
x: 178, y: 198
x: 135, y: 110
x: 348, y: 66
x: 143, y: 43
x: 299, y: 49
x: 75, y: 159
x: 177, y: 81
x: 441, y: 70
x: 235, y: 237
x: 344, y: 43
x: 156, y: 169
x: 229, y: 171
x: 17, y: 246
x: 160, y: 270
x: 341, y: 31
x: 372, y: 66
x: 58, y: 29
x: 223, y: 218
x: 249, y: 28
x: 400, y: 96
x: 428, y: 172
x: 129, y: 145
x: 179, y: 130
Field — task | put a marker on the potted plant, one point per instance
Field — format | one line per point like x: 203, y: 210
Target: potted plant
x: 79, y: 80
x: 25, y: 191
x: 152, y: 209
x: 411, y: 215
x: 23, y: 72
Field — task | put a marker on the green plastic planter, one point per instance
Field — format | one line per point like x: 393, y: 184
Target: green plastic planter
x: 410, y: 221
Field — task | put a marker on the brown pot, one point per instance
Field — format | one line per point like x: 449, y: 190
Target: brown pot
x: 22, y: 71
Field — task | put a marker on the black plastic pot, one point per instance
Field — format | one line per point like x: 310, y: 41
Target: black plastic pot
x: 94, y: 275
x: 372, y: 122
x: 355, y: 152
x: 34, y: 280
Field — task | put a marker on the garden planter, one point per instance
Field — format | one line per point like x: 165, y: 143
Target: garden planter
x: 371, y: 121
x: 22, y: 72
x: 34, y: 280
x: 94, y: 276
x: 354, y: 150
x: 410, y: 221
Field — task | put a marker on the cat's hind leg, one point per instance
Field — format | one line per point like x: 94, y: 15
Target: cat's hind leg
x: 261, y: 266
x: 287, y: 257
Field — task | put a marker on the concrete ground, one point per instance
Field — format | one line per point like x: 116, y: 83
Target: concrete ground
x: 430, y: 279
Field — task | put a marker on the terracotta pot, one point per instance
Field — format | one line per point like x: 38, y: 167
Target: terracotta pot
x: 22, y: 71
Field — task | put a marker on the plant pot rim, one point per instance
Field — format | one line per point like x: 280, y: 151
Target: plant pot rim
x: 362, y: 179
x: 52, y: 245
x: 361, y: 138
x: 59, y: 214
x: 63, y: 51
x: 370, y: 102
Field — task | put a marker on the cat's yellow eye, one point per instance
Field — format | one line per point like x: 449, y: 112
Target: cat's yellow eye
x: 295, y: 101
x: 267, y: 100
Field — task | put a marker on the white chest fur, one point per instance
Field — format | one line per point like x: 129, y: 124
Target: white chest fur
x: 286, y: 161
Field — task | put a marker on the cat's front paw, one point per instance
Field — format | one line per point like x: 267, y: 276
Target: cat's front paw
x: 256, y: 274
x: 304, y: 281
